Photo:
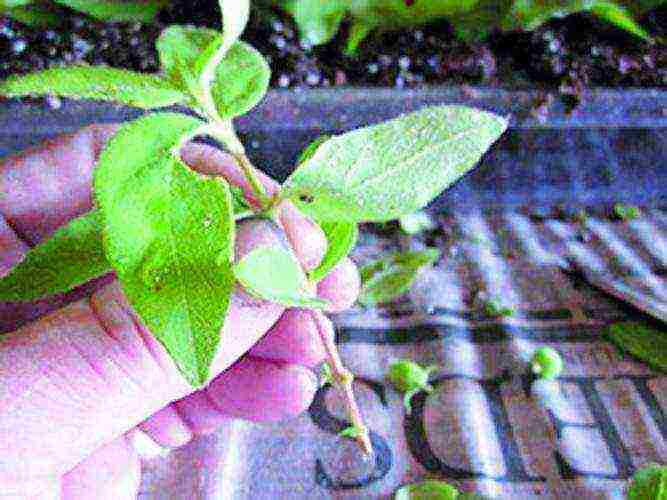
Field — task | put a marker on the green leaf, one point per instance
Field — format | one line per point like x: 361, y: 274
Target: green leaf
x: 649, y: 483
x: 341, y: 238
x: 11, y: 4
x: 114, y: 11
x: 531, y: 14
x: 318, y: 21
x: 618, y: 16
x: 72, y: 256
x: 98, y: 83
x: 390, y: 277
x: 241, y: 81
x: 239, y: 203
x: 382, y: 172
x: 169, y: 233
x: 241, y: 78
x: 311, y: 148
x: 642, y: 341
x: 179, y: 48
x: 431, y: 490
x: 273, y: 274
x: 36, y: 15
x: 626, y: 212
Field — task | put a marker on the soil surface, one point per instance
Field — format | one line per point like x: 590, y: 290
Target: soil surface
x: 564, y: 56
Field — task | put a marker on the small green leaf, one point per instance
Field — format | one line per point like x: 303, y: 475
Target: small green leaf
x: 169, y: 233
x: 236, y: 95
x: 427, y: 490
x: 382, y: 172
x: 72, y: 256
x: 618, y: 16
x: 239, y: 202
x: 185, y: 53
x: 626, y: 212
x: 495, y: 308
x: 390, y: 277
x: 311, y: 148
x: 642, y: 341
x: 341, y: 238
x: 179, y: 48
x: 125, y: 11
x: 416, y: 222
x: 649, y: 483
x: 273, y: 274
x: 318, y: 21
x: 98, y: 83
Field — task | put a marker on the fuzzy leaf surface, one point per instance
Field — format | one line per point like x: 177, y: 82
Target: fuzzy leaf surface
x: 241, y: 78
x: 384, y: 171
x: 97, y: 83
x: 72, y: 256
x: 273, y: 274
x: 169, y: 233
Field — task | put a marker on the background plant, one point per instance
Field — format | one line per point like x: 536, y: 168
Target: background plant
x: 163, y: 227
x: 47, y: 13
x: 471, y: 19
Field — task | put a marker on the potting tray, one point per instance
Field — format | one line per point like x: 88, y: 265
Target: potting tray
x: 507, y: 233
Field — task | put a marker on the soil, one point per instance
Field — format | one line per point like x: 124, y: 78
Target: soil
x: 564, y: 56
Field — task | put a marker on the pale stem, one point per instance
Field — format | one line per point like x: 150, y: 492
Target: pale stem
x: 224, y: 132
x: 343, y: 378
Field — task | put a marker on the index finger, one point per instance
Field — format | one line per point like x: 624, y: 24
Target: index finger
x: 44, y: 187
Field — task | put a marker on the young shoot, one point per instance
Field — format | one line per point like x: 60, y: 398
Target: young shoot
x: 410, y: 378
x: 168, y: 232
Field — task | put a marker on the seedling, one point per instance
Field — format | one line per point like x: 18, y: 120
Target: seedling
x: 547, y: 363
x: 649, y: 483
x: 626, y: 212
x: 495, y: 309
x: 472, y: 19
x: 409, y: 377
x: 433, y: 490
x: 39, y: 13
x: 168, y: 232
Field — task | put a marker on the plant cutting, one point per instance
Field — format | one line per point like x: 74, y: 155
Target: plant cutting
x: 162, y: 227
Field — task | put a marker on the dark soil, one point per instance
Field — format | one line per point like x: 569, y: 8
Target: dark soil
x: 565, y: 55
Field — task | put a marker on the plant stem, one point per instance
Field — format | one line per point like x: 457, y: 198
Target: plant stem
x: 343, y: 378
x: 224, y: 132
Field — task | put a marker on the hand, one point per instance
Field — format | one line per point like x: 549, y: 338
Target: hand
x: 76, y: 382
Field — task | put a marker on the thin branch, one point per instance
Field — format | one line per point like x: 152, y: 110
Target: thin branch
x: 343, y: 378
